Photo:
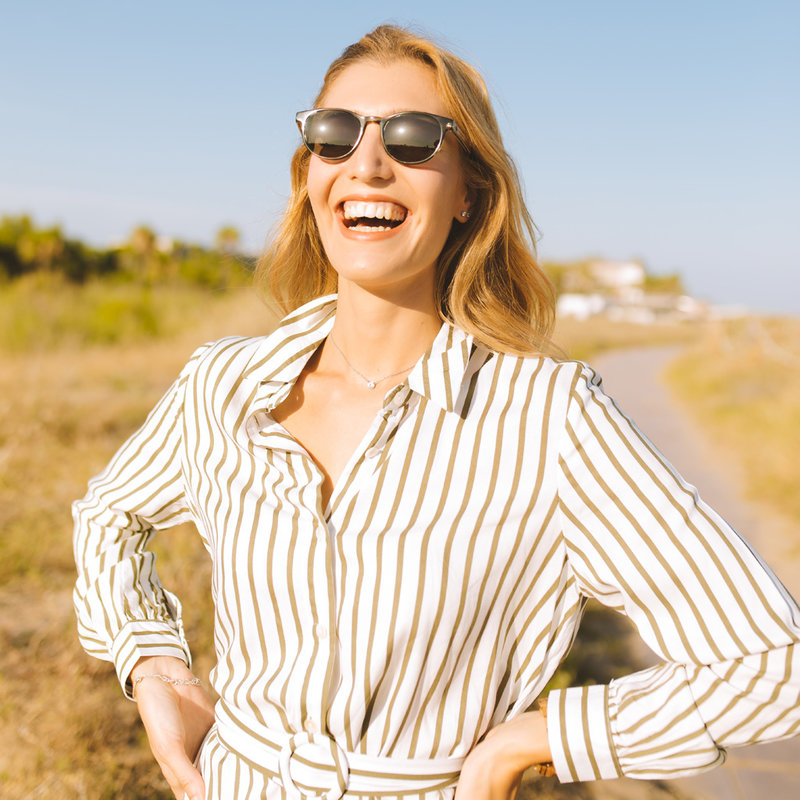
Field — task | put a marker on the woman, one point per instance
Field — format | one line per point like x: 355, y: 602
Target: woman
x: 407, y: 502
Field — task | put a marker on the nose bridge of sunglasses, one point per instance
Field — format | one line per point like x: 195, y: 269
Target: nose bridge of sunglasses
x: 370, y: 142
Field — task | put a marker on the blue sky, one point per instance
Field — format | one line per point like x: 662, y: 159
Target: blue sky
x: 666, y: 131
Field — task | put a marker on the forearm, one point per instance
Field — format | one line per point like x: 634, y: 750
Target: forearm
x: 141, y: 490
x: 640, y: 540
x: 123, y: 611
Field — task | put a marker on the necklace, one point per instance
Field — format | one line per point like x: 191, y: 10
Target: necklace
x: 371, y: 384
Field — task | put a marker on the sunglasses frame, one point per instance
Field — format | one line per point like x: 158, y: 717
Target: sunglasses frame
x: 445, y: 124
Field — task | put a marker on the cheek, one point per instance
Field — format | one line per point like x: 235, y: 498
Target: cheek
x: 446, y: 201
x: 450, y: 193
x: 317, y: 186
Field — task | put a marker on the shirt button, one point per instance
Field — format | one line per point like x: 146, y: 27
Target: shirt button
x: 320, y: 630
x: 310, y: 726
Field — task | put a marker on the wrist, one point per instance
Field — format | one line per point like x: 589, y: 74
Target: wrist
x: 545, y: 766
x: 159, y: 676
x: 533, y: 747
x: 519, y: 743
x: 168, y: 665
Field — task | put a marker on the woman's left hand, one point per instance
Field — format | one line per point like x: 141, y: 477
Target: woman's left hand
x: 493, y: 768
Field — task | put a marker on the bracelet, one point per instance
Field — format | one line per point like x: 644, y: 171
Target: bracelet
x: 545, y: 768
x: 166, y: 679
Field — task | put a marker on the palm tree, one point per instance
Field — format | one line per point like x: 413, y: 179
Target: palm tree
x: 227, y: 241
x: 143, y: 245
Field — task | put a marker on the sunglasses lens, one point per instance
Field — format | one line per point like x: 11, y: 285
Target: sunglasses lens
x: 412, y: 138
x: 331, y: 133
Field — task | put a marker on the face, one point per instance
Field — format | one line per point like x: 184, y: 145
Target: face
x: 384, y: 224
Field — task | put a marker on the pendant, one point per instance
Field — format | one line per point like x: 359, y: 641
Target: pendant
x: 370, y: 384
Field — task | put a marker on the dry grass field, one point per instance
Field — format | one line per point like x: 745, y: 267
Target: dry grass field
x: 65, y: 729
x: 584, y: 339
x: 742, y: 383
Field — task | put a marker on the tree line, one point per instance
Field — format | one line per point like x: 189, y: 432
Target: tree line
x: 580, y: 277
x: 145, y: 257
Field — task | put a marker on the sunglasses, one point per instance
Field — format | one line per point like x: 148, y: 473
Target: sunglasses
x: 410, y: 137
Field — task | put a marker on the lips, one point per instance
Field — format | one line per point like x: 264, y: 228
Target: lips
x: 372, y: 216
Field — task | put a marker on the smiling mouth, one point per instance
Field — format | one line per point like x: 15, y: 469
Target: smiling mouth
x: 362, y: 216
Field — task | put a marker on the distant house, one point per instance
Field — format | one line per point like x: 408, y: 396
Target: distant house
x: 620, y: 290
x: 616, y: 275
x: 579, y: 306
x: 165, y: 244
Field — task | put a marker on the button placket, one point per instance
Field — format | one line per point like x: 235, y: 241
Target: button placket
x: 391, y: 415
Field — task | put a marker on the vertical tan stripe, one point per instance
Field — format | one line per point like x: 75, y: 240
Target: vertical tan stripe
x: 565, y: 745
x: 587, y: 735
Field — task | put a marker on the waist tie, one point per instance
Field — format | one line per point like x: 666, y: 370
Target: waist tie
x: 312, y: 765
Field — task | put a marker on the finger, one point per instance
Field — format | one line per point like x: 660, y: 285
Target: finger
x: 170, y: 753
x: 196, y: 789
x: 193, y: 787
x: 184, y: 780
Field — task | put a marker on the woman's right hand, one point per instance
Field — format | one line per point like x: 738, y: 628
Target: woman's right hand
x: 176, y: 718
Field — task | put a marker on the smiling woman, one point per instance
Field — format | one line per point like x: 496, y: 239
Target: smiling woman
x: 426, y: 198
x: 487, y: 279
x: 407, y: 502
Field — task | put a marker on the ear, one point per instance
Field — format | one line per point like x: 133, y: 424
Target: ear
x: 463, y: 212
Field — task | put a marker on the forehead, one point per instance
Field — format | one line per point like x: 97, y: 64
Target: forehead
x: 371, y: 88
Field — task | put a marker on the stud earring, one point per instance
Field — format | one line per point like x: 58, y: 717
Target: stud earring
x: 465, y: 215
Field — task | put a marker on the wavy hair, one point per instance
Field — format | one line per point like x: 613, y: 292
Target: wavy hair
x: 489, y: 282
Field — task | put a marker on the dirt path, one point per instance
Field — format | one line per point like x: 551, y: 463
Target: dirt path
x: 633, y: 378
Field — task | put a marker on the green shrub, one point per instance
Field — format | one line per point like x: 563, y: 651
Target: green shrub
x: 42, y: 311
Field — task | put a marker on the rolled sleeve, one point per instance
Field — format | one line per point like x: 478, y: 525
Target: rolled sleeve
x: 142, y: 639
x: 641, y: 541
x: 579, y: 734
x: 123, y: 611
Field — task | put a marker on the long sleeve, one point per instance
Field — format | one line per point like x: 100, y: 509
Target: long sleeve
x: 639, y: 540
x: 123, y: 611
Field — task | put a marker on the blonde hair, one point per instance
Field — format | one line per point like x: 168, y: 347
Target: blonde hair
x: 488, y: 280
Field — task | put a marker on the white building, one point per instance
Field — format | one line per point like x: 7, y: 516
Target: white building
x: 579, y: 306
x: 616, y: 275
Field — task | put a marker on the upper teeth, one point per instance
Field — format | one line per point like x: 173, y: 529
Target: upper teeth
x: 354, y: 209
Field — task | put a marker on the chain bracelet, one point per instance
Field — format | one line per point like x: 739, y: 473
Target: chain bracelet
x: 166, y: 679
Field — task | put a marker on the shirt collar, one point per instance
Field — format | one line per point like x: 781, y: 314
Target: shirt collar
x: 438, y: 375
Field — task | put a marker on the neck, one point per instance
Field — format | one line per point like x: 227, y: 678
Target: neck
x: 379, y: 335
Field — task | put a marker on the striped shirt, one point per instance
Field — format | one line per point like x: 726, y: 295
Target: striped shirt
x: 437, y: 593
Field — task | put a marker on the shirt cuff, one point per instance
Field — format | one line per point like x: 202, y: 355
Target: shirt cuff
x: 144, y: 638
x: 579, y: 734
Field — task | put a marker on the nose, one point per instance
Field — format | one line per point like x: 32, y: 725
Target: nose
x: 370, y: 161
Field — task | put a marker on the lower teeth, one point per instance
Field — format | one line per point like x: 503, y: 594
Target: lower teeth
x: 377, y: 228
